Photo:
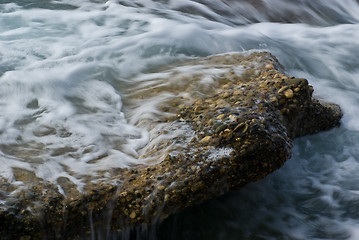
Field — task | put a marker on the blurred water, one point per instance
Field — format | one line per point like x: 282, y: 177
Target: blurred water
x: 65, y: 67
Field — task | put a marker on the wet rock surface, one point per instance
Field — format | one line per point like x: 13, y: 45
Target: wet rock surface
x: 236, y: 130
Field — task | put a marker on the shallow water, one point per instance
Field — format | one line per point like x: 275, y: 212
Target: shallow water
x: 66, y: 68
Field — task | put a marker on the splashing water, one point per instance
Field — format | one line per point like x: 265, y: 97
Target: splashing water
x: 66, y: 68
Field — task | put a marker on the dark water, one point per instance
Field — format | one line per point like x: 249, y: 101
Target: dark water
x: 56, y: 55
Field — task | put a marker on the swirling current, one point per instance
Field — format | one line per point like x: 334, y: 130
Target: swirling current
x: 66, y: 67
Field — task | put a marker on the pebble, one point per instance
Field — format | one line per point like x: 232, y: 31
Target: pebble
x: 274, y: 99
x: 283, y: 89
x: 133, y: 215
x: 289, y: 93
x: 206, y: 139
x: 221, y: 116
x: 220, y: 128
x: 269, y: 66
x: 237, y: 92
x: 123, y: 194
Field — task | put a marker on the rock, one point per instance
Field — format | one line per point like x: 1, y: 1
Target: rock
x: 206, y: 139
x: 289, y: 93
x: 133, y: 215
x: 236, y: 130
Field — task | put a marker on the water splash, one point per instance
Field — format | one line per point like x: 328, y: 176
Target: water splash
x: 66, y: 68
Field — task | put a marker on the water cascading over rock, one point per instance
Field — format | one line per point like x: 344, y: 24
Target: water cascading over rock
x: 225, y: 121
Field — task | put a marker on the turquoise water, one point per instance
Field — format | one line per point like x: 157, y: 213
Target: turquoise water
x: 66, y: 65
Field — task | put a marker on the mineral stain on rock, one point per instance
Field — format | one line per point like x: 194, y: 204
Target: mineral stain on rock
x: 239, y: 114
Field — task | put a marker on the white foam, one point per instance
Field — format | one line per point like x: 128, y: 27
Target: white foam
x: 63, y: 75
x: 8, y: 163
x: 219, y: 153
x: 62, y: 94
x: 73, y: 105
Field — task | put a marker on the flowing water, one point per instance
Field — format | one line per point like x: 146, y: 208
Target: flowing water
x: 66, y: 67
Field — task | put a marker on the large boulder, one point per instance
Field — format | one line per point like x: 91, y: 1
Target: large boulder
x: 227, y: 120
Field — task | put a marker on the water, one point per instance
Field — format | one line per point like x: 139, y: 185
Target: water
x: 66, y: 68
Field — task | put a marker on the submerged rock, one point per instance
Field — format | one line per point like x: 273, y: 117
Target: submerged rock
x: 237, y: 113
